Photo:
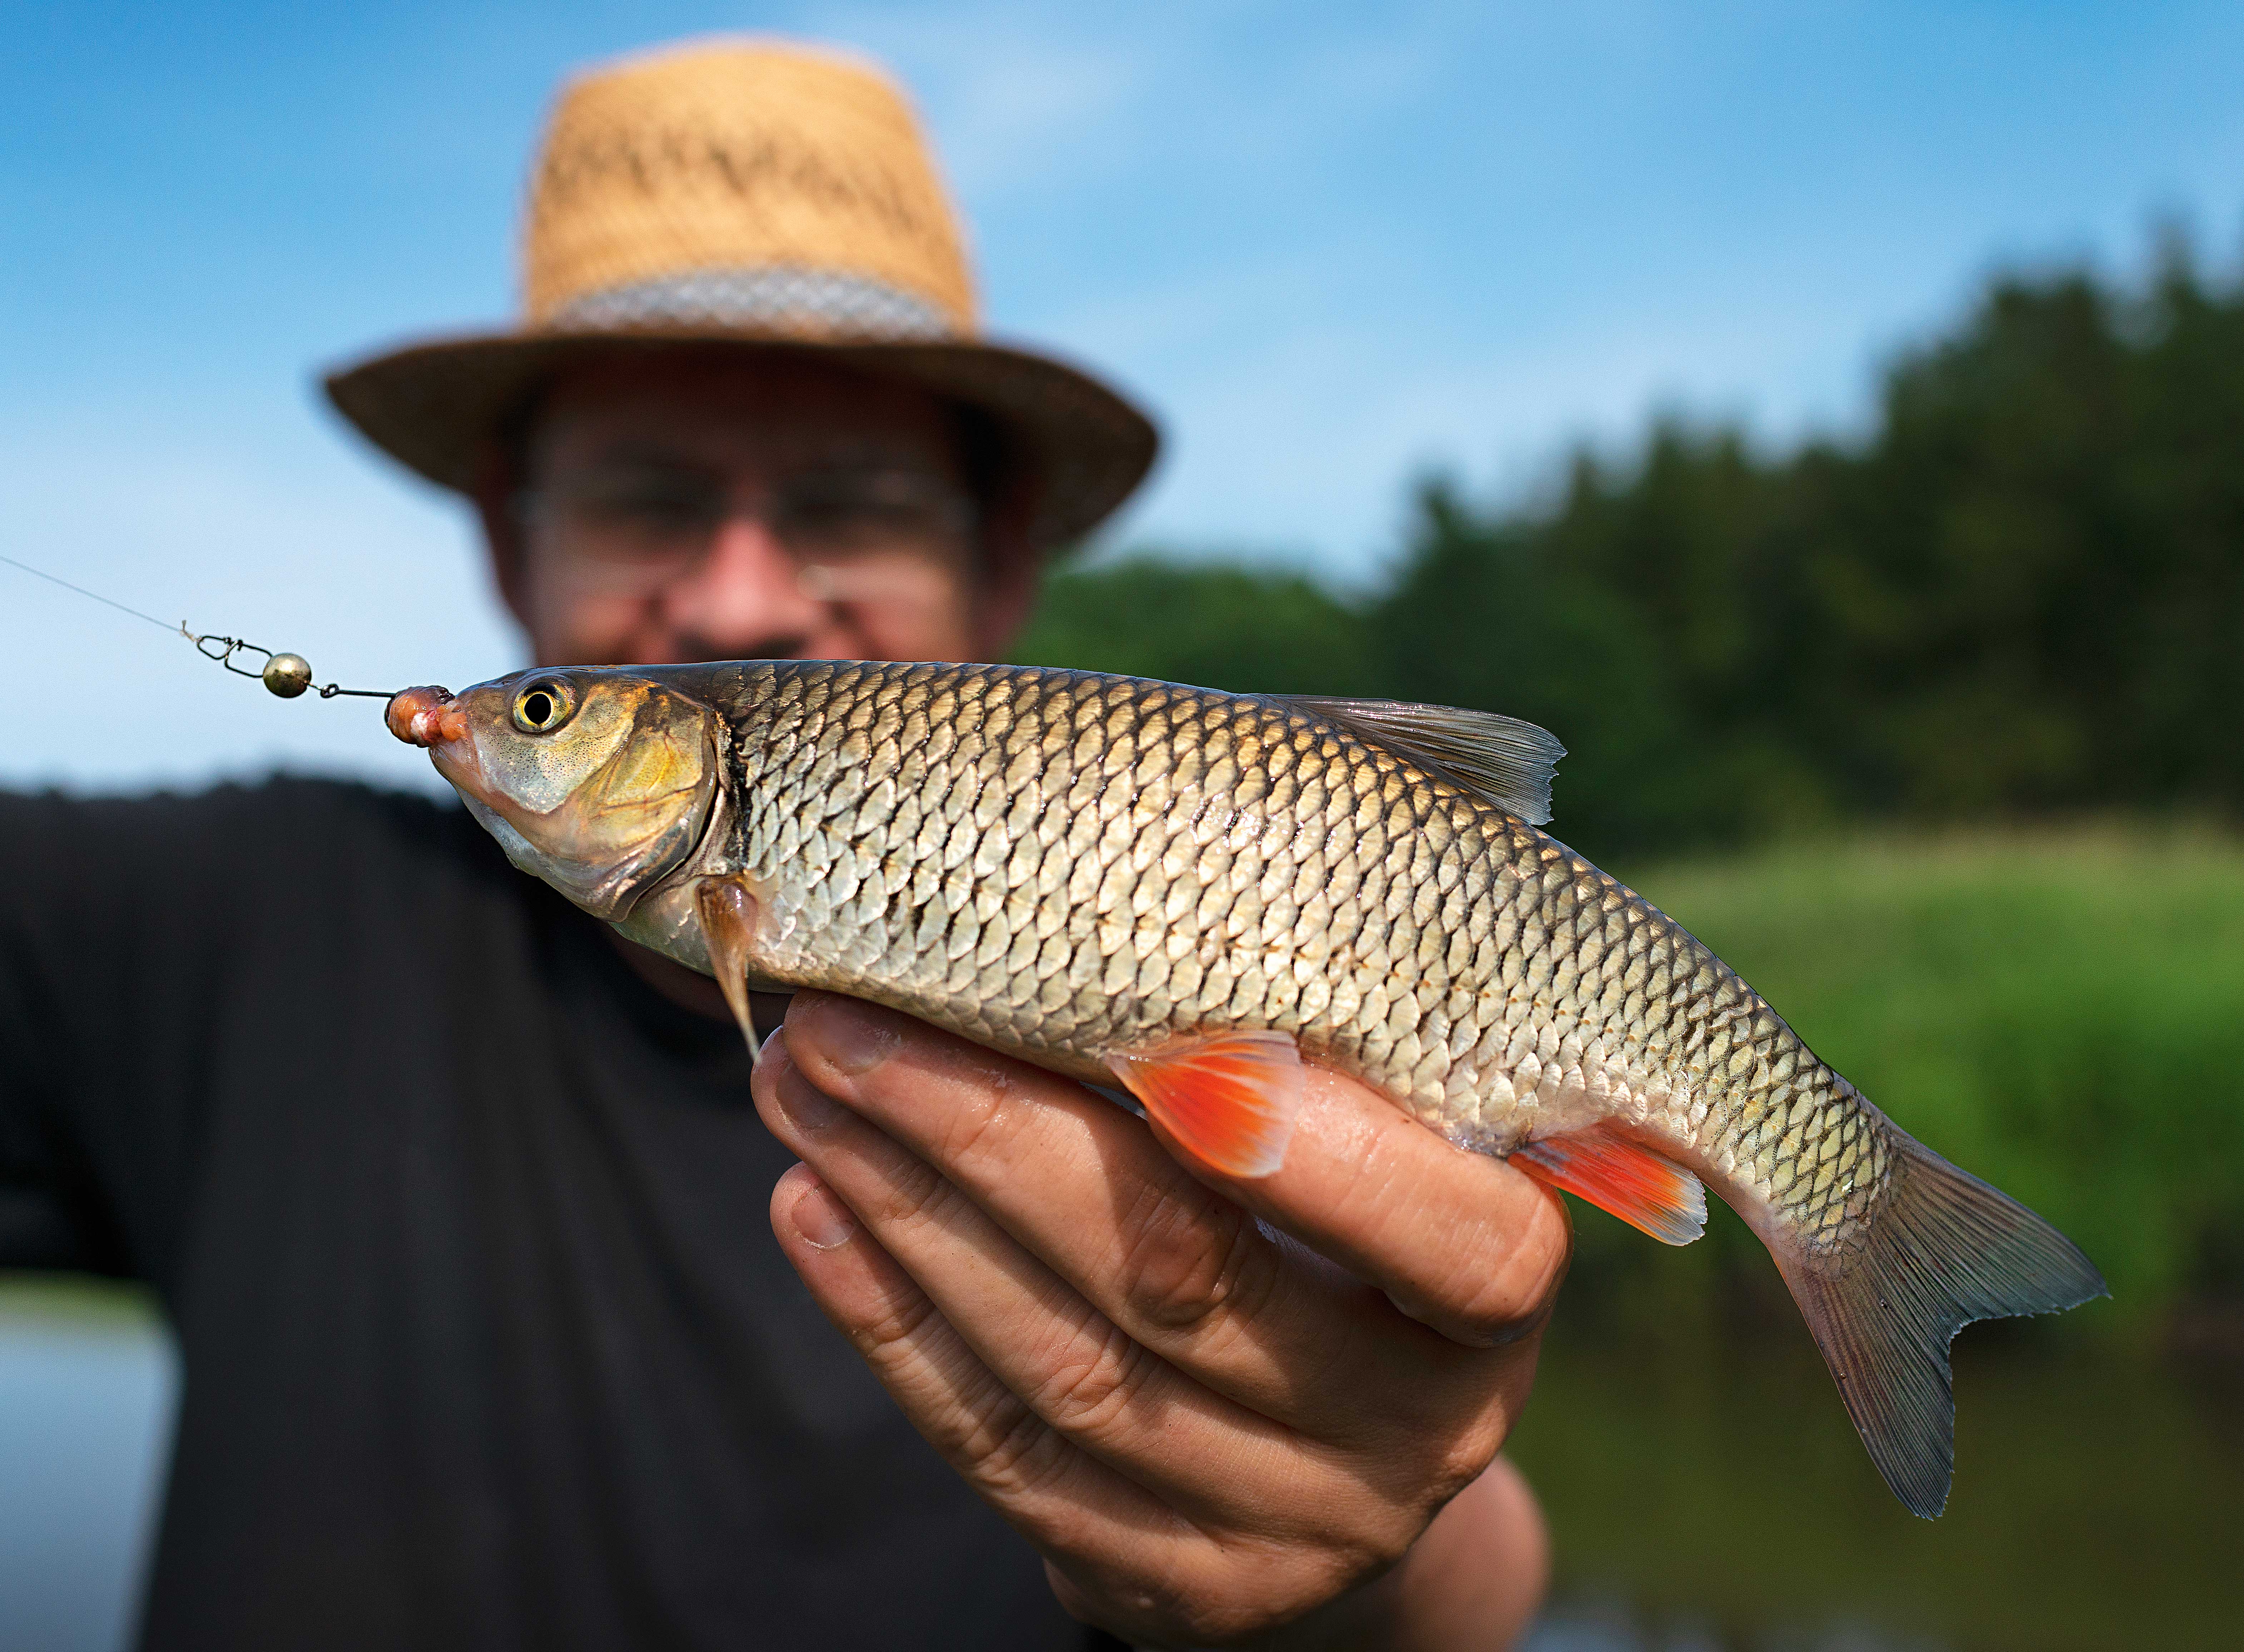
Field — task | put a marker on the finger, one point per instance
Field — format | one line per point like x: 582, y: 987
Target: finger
x: 1053, y: 1493
x: 1099, y: 1388
x: 1122, y: 1558
x: 1457, y: 1240
x: 1176, y: 1264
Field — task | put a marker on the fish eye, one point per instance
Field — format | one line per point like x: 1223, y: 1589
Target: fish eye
x: 544, y: 706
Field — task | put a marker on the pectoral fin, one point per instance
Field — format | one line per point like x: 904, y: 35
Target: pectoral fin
x: 1623, y: 1179
x: 1229, y: 1098
x: 727, y: 911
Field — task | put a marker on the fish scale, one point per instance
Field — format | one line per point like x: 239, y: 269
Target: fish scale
x: 1191, y: 890
x: 1447, y: 953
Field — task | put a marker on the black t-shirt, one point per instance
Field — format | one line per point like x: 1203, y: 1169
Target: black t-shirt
x: 463, y: 1231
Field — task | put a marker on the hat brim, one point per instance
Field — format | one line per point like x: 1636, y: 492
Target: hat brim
x: 434, y: 406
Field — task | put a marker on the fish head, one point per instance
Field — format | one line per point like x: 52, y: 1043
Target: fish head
x: 600, y: 783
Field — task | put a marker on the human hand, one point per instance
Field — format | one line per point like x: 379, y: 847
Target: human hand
x: 1214, y: 1429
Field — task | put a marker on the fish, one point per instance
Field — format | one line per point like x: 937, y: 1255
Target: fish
x: 1190, y: 894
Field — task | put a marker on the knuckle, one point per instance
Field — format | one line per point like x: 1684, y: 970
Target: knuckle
x: 1465, y: 1458
x: 914, y: 1193
x: 979, y: 1130
x: 1363, y: 1535
x: 1264, y: 1589
x: 1213, y: 1611
x: 1227, y: 1620
x: 1013, y: 1454
x: 1088, y: 1396
x: 1192, y: 1591
x: 1160, y: 1592
x: 889, y: 1338
x: 1190, y: 1262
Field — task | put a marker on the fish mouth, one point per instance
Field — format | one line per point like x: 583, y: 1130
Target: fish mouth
x: 563, y: 822
x: 425, y: 715
x: 432, y: 717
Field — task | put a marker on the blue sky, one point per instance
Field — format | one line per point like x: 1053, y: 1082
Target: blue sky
x: 1331, y: 244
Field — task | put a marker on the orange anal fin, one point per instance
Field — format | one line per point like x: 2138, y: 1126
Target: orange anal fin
x: 1623, y: 1179
x: 1229, y: 1098
x: 727, y: 913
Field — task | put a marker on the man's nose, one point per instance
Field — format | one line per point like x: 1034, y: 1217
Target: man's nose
x: 745, y: 598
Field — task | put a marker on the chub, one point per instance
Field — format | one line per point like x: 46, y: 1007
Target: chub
x: 1192, y: 893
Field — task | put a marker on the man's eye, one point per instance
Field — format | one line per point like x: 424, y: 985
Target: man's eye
x: 826, y: 512
x: 657, y: 506
x: 845, y: 507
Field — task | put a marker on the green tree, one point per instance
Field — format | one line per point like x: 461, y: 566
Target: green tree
x: 1213, y: 624
x: 2021, y: 593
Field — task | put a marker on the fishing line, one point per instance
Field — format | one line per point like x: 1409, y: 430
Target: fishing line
x: 96, y: 596
x: 285, y: 675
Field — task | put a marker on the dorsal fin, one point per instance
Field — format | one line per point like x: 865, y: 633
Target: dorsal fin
x: 1506, y: 761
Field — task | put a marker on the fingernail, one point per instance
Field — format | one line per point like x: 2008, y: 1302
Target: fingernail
x: 855, y: 1036
x: 808, y: 1108
x: 822, y: 1220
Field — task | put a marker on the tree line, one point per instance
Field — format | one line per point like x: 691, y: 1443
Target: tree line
x: 2019, y: 593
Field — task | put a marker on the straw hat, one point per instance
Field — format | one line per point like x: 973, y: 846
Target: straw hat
x: 749, y: 192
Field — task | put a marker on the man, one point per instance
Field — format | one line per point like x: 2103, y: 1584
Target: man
x: 500, y: 1306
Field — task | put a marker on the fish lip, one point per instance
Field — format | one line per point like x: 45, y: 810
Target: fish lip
x: 460, y: 764
x: 432, y: 717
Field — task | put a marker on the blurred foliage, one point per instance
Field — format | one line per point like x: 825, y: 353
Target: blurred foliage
x: 1219, y: 625
x: 2021, y: 593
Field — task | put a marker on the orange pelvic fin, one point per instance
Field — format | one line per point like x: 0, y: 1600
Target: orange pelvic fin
x: 1623, y: 1179
x: 727, y: 911
x: 1229, y: 1098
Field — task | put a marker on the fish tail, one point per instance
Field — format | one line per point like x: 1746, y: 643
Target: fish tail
x: 1944, y: 1248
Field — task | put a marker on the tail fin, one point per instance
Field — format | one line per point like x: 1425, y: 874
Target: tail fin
x: 1944, y: 1250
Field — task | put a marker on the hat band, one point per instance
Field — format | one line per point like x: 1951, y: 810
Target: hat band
x: 777, y: 298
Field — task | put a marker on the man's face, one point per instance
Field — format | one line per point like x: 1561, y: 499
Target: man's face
x: 723, y: 505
